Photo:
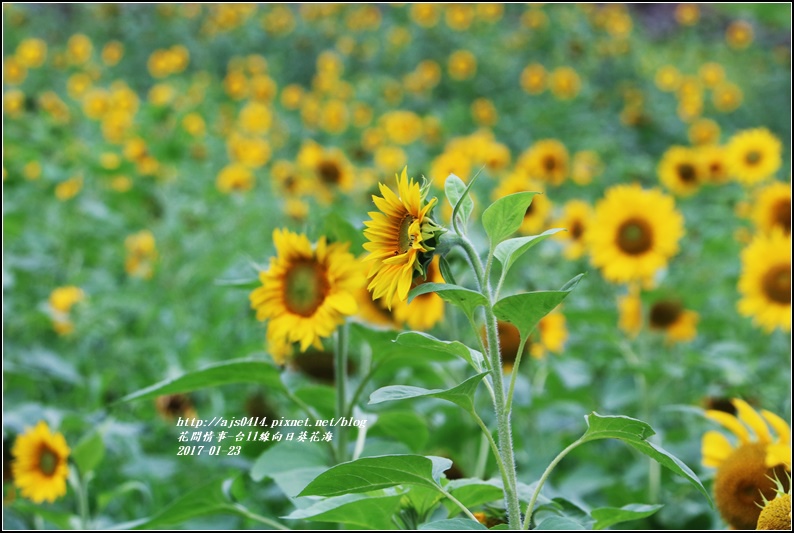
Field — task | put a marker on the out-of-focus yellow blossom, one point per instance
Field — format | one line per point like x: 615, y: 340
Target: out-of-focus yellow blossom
x: 425, y: 15
x: 141, y: 254
x: 668, y: 78
x: 630, y: 312
x: 31, y: 53
x: 727, y: 97
x: 690, y: 107
x: 462, y: 65
x: 388, y: 158
x: 256, y: 118
x: 364, y: 18
x: 401, y: 127
x: 670, y: 317
x: 704, y: 131
x: 278, y: 20
x: 361, y: 114
x: 712, y: 160
x: 32, y: 170
x: 69, y: 188
x: 79, y: 49
x: 292, y: 96
x: 96, y: 103
x: 459, y: 16
x: 78, y: 84
x: 564, y: 83
x: 328, y: 168
x: 490, y: 12
x: 552, y: 333
x: 534, y: 19
x: 109, y: 160
x: 235, y: 178
x: 450, y: 162
x: 13, y: 103
x: 687, y: 14
x: 739, y: 35
x: 680, y: 170
x: 533, y: 78
x: 586, y: 166
x: 249, y: 151
x: 161, y: 94
x: 121, y: 184
x: 57, y: 108
x: 711, y: 74
x: 335, y: 117
x: 112, y: 53
x: 771, y: 208
x: 484, y: 112
x: 236, y: 84
x: 14, y: 72
x: 546, y: 160
x: 753, y: 155
x: 263, y: 88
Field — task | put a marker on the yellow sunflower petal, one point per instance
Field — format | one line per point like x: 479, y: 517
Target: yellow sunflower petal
x: 778, y: 454
x: 715, y: 449
x: 749, y: 416
x: 779, y: 425
x: 731, y: 423
x: 343, y: 302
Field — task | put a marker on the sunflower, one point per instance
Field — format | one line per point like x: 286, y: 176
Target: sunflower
x: 328, y: 168
x: 713, y: 164
x: 634, y: 233
x: 306, y: 292
x: 552, y: 335
x: 704, y: 131
x: 776, y: 514
x: 630, y: 312
x: 753, y: 155
x: 680, y: 170
x: 546, y: 160
x: 402, y: 237
x: 537, y: 214
x: 586, y: 166
x: 576, y: 215
x: 670, y: 317
x: 772, y: 208
x: 174, y: 406
x: 745, y: 472
x: 765, y: 282
x: 425, y: 310
x: 141, y: 254
x: 39, y: 466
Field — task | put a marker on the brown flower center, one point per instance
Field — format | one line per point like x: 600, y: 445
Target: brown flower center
x: 753, y: 157
x: 782, y: 214
x: 776, y: 284
x: 509, y: 339
x: 740, y: 481
x: 48, y: 460
x: 664, y: 314
x: 404, y: 238
x: 577, y: 230
x: 776, y: 515
x: 635, y: 236
x: 329, y: 172
x: 687, y: 173
x: 529, y: 211
x: 306, y: 287
x: 549, y: 163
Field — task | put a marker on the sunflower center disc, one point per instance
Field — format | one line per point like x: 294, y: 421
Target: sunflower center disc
x: 635, y: 237
x: 577, y: 229
x: 48, y: 460
x: 782, y: 214
x: 549, y: 163
x: 529, y: 211
x: 777, y: 284
x: 753, y: 158
x: 404, y: 238
x: 306, y: 288
x: 329, y: 172
x: 664, y: 314
x: 687, y: 173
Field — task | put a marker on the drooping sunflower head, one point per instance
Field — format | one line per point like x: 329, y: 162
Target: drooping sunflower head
x: 40, y: 468
x: 634, y: 233
x: 765, y: 282
x: 680, y: 170
x: 402, y: 237
x: 745, y: 472
x: 753, y: 155
x: 426, y: 310
x: 306, y: 292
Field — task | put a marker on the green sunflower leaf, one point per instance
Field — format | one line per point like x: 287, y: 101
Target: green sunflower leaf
x: 559, y: 523
x: 362, y: 511
x: 525, y: 310
x: 635, y: 433
x: 381, y: 472
x: 467, y: 299
x: 508, y: 252
x: 229, y: 372
x: 423, y: 341
x: 461, y: 395
x: 89, y: 452
x: 503, y: 217
x: 609, y: 516
x: 454, y: 524
x: 459, y: 198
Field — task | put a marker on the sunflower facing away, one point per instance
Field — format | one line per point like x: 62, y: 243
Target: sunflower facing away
x: 753, y: 155
x: 39, y: 466
x: 634, y: 233
x: 745, y: 473
x: 306, y: 292
x: 765, y: 283
x: 402, y: 237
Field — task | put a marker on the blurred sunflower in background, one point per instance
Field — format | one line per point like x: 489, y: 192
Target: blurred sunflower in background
x: 634, y: 233
x: 670, y: 317
x: 680, y: 170
x: 546, y: 160
x: 39, y: 465
x: 765, y: 282
x: 306, y: 292
x: 753, y: 155
x: 576, y: 216
x: 772, y: 208
x: 746, y: 472
x: 402, y: 237
x: 537, y: 214
x: 426, y: 310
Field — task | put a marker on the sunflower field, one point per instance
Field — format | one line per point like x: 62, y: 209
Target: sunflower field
x: 396, y: 266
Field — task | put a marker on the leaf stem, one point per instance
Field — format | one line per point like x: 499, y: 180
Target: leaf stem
x: 542, y: 480
x: 243, y: 510
x: 514, y: 374
x: 462, y: 507
x: 340, y: 377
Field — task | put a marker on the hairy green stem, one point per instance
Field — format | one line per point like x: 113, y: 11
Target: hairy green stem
x: 542, y: 480
x: 494, y: 448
